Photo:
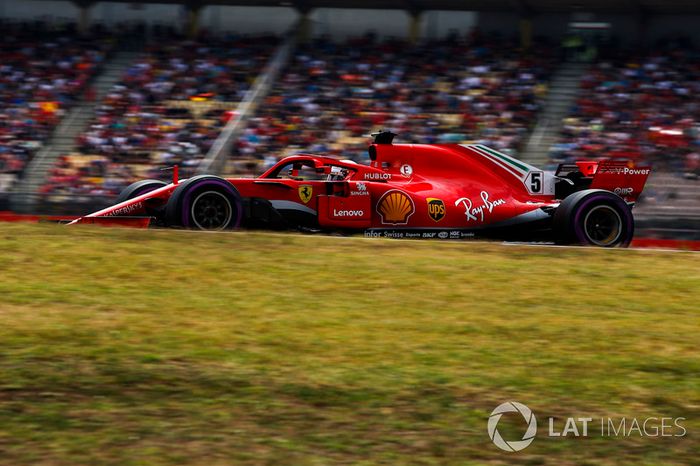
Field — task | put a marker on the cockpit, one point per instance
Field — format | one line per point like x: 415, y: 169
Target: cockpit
x: 310, y: 170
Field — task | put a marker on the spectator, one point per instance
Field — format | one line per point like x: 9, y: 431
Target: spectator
x: 42, y: 72
x: 168, y: 109
x: 640, y: 107
x: 331, y: 95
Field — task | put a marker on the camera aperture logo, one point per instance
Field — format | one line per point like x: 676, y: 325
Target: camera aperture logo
x: 578, y: 426
x: 512, y: 407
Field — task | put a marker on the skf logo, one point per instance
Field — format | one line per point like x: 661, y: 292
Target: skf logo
x: 305, y: 192
x: 395, y: 207
x: 436, y: 209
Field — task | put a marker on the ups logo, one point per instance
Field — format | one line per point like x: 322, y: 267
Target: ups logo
x: 436, y: 209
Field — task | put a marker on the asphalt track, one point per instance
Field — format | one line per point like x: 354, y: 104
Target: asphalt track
x: 639, y: 243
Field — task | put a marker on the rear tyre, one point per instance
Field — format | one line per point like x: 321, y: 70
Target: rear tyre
x: 204, y: 202
x: 138, y: 188
x: 594, y: 217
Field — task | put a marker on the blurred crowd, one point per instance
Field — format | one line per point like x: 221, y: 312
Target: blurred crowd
x: 168, y: 109
x: 174, y: 99
x: 461, y: 89
x: 642, y: 107
x: 42, y: 72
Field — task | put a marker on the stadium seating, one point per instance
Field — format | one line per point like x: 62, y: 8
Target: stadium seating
x: 168, y: 109
x: 641, y: 107
x: 668, y: 195
x: 172, y: 103
x: 42, y: 73
x: 332, y: 94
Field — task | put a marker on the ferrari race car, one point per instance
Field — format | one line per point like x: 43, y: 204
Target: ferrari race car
x: 408, y: 191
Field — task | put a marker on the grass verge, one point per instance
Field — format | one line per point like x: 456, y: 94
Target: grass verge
x: 165, y: 347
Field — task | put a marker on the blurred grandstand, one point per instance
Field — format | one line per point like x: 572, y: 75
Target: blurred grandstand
x: 453, y: 90
x: 168, y: 108
x: 116, y: 92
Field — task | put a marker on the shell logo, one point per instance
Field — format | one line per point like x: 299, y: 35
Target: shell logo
x: 395, y: 207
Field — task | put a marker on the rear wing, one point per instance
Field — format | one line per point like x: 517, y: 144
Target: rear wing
x: 621, y: 177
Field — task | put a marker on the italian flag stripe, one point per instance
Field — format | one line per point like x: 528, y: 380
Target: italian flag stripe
x: 505, y: 158
x: 509, y: 168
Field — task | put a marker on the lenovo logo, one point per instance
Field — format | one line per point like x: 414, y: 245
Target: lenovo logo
x: 348, y: 213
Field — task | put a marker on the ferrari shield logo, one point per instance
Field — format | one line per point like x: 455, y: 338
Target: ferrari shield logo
x: 436, y: 208
x: 305, y: 192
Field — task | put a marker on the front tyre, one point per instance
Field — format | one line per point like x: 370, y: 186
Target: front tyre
x: 138, y: 188
x: 204, y: 202
x: 594, y: 217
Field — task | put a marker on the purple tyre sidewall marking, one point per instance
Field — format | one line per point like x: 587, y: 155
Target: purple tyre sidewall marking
x: 186, y: 204
x: 627, y: 220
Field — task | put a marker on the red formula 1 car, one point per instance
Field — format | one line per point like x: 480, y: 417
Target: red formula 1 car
x: 408, y: 191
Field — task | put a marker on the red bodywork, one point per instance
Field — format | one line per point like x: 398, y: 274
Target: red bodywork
x: 408, y: 187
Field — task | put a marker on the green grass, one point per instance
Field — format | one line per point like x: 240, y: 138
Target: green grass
x: 162, y: 347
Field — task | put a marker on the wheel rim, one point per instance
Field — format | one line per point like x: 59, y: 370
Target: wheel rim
x: 211, y: 210
x: 603, y: 225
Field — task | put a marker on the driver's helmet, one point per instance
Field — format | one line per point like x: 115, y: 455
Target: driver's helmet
x: 337, y: 173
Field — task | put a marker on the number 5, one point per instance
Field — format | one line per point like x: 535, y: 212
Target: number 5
x: 536, y: 182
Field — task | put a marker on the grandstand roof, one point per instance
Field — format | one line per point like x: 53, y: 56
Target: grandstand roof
x: 522, y: 6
